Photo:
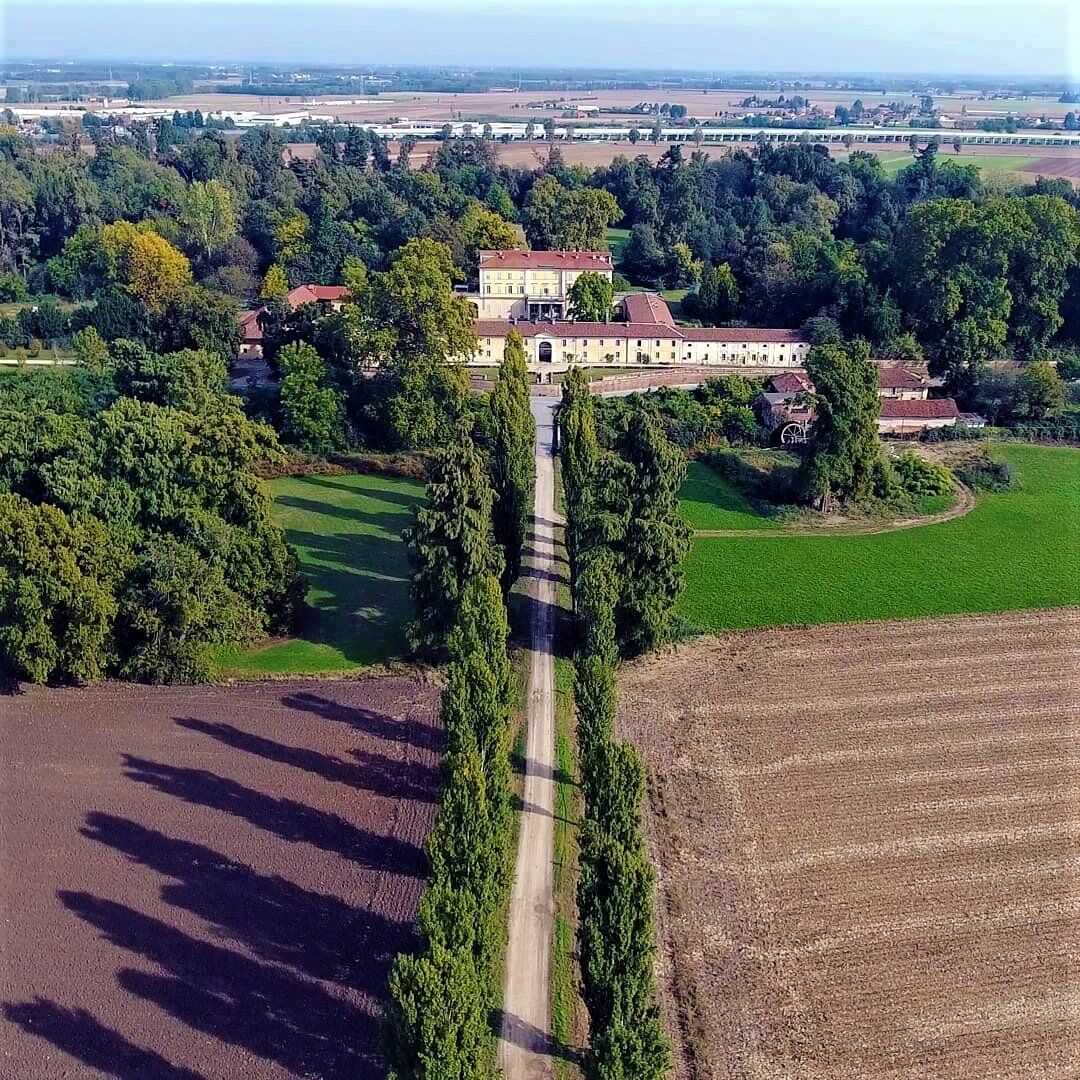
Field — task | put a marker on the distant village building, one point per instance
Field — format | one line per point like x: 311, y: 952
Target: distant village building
x: 327, y: 297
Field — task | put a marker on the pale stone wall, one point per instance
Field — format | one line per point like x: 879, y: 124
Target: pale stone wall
x: 553, y: 352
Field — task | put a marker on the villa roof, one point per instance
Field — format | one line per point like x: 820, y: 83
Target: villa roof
x: 493, y: 328
x: 516, y: 259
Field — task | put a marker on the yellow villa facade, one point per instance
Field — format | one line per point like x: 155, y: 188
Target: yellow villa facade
x: 532, y: 284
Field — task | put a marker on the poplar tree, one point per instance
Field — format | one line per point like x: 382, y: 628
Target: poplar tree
x: 450, y: 539
x: 580, y: 450
x: 617, y: 949
x: 513, y: 465
x: 845, y: 453
x: 437, y: 1026
x: 657, y: 539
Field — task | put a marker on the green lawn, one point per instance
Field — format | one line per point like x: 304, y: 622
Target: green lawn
x: 988, y: 163
x: 1017, y: 549
x: 709, y: 501
x: 347, y: 534
x: 616, y: 241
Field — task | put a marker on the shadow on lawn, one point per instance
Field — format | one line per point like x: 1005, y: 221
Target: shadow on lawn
x: 360, y: 585
x: 389, y: 522
x: 401, y: 498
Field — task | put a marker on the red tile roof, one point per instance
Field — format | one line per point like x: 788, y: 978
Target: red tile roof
x: 250, y: 330
x: 792, y: 382
x: 515, y: 259
x: 891, y: 377
x: 647, y: 308
x: 310, y: 294
x: 644, y: 330
x: 927, y: 409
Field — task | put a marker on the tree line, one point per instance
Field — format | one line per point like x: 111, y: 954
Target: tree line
x: 161, y: 238
x: 465, y: 547
x: 625, y: 540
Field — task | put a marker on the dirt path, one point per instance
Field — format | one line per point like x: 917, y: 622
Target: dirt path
x: 525, y: 1047
x: 965, y: 503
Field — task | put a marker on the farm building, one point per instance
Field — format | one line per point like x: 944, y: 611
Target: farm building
x: 906, y: 408
x: 251, y: 332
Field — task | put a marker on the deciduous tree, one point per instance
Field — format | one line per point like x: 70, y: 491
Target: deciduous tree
x: 591, y: 297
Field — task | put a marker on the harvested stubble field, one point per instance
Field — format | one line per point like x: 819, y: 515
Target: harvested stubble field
x: 209, y: 882
x: 866, y: 840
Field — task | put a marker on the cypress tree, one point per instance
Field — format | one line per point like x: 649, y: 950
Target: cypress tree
x: 513, y: 466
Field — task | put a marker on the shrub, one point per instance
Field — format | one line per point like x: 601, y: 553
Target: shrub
x: 769, y: 476
x: 12, y: 288
x: 987, y: 475
x: 919, y: 477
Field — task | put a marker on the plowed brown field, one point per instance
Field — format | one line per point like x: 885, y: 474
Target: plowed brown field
x: 867, y: 844
x: 208, y: 882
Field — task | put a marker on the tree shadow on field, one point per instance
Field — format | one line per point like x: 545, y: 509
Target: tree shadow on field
x: 9, y: 686
x: 424, y: 735
x: 384, y: 522
x: 241, y: 1002
x: 359, y: 586
x: 80, y: 1035
x: 401, y: 498
x: 374, y: 772
x: 284, y: 818
x: 281, y: 922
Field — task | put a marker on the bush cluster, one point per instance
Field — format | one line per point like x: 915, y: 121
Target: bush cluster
x: 718, y: 412
x: 987, y: 475
x: 918, y: 477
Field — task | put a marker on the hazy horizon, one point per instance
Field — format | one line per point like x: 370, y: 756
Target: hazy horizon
x: 994, y: 38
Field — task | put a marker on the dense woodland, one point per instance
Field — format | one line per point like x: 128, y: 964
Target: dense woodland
x: 935, y: 261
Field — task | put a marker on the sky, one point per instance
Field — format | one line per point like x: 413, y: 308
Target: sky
x: 987, y: 37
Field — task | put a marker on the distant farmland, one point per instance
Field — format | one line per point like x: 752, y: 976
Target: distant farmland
x: 867, y: 840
